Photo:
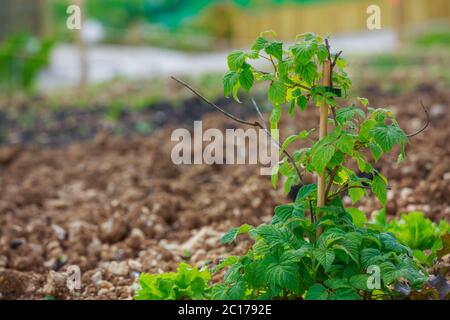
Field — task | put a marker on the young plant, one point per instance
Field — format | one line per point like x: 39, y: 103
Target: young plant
x: 186, y: 283
x: 21, y: 59
x: 420, y: 234
x: 312, y: 251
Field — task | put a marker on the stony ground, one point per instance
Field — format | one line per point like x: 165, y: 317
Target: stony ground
x: 118, y: 206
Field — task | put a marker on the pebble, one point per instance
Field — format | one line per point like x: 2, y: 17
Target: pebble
x: 118, y: 268
x: 97, y: 277
x: 59, y: 231
x: 56, y: 282
x: 105, y: 285
x: 103, y: 292
x: 134, y: 265
x: 405, y: 193
x: 3, y: 261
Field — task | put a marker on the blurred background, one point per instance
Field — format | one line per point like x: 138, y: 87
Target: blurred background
x: 126, y: 50
x: 155, y: 38
x: 86, y: 118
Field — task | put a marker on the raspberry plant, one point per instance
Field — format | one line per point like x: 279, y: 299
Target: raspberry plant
x: 312, y: 251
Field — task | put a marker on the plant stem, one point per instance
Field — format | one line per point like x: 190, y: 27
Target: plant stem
x: 326, y: 81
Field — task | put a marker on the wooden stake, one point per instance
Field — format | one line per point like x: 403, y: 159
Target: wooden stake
x: 326, y: 82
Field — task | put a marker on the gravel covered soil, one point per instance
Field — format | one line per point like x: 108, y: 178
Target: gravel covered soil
x: 117, y: 206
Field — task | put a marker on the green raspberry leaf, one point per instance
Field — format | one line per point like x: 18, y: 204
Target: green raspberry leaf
x: 388, y: 135
x: 230, y: 80
x: 379, y: 188
x: 277, y: 93
x: 317, y: 292
x: 236, y: 59
x: 275, y: 49
x: 246, y: 78
x: 322, y: 156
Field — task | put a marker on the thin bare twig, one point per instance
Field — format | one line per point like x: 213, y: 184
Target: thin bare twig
x: 327, y: 45
x: 426, y: 124
x: 330, y: 183
x: 351, y: 187
x: 212, y: 104
x: 277, y: 143
x: 335, y: 58
x: 259, y: 114
x: 249, y: 123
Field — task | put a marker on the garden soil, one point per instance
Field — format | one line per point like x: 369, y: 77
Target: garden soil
x: 117, y: 206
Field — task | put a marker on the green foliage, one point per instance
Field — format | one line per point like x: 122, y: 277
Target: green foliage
x: 310, y: 252
x: 287, y: 262
x: 186, y: 283
x: 420, y: 234
x: 21, y: 59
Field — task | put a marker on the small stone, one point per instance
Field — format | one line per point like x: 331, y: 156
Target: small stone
x: 103, y: 292
x: 134, y: 265
x: 59, y: 231
x: 94, y: 247
x: 136, y: 238
x: 15, y: 243
x: 3, y: 261
x: 113, y: 230
x: 118, y: 268
x: 105, y: 285
x: 56, y: 283
x: 437, y: 110
x: 97, y: 277
x: 405, y: 193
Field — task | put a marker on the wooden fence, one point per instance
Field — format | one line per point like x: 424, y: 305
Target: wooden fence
x: 334, y: 17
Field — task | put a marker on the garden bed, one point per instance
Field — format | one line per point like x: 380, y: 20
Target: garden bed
x: 117, y: 206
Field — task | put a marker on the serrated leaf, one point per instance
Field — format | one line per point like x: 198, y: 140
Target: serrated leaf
x: 305, y: 191
x: 282, y: 213
x: 275, y: 49
x: 359, y: 281
x: 307, y: 71
x: 376, y: 151
x: 316, y: 292
x: 370, y: 256
x: 365, y: 128
x: 302, y: 102
x: 303, y: 51
x: 379, y: 188
x: 322, y: 52
x: 358, y: 217
x: 386, y: 136
x: 231, y: 235
x: 282, y: 270
x: 260, y: 44
x: 356, y: 193
x: 230, y: 80
x: 277, y: 93
x: 346, y: 294
x: 246, y: 78
x: 275, y: 116
x: 236, y: 59
x: 347, y: 113
x: 321, y: 157
x: 226, y: 263
x: 324, y: 257
x: 276, y: 236
x: 345, y: 143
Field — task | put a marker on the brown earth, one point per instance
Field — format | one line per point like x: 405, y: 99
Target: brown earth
x: 118, y: 206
